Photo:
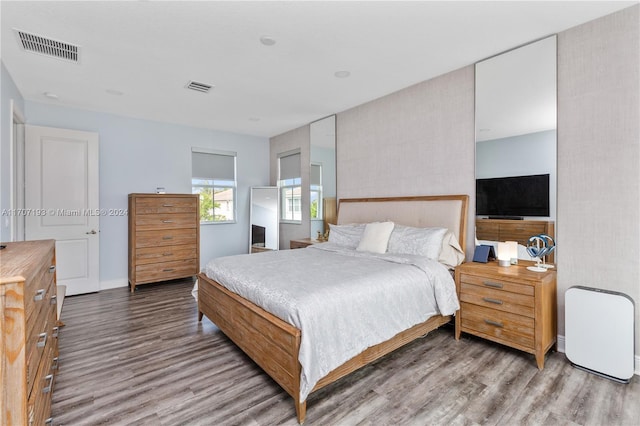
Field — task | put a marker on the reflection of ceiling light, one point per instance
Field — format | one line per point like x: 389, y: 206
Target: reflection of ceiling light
x: 114, y: 92
x: 51, y: 95
x: 342, y: 74
x: 267, y: 40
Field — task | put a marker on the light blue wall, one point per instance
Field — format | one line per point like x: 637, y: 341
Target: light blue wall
x: 140, y: 155
x: 8, y: 92
x: 530, y: 154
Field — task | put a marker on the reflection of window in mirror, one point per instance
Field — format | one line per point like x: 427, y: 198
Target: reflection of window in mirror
x: 315, y: 186
x: 290, y: 184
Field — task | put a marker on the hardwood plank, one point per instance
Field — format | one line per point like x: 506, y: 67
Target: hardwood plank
x: 144, y: 359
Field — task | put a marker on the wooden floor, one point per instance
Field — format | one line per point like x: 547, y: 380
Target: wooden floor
x: 143, y: 359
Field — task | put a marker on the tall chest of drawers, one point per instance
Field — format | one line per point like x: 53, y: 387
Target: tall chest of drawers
x: 28, y: 336
x: 509, y: 305
x: 164, y: 237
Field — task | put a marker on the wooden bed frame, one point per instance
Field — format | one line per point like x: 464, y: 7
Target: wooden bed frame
x: 274, y: 344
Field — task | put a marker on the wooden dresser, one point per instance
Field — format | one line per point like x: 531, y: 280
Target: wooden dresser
x: 164, y: 237
x: 302, y: 243
x: 509, y: 305
x: 514, y: 230
x: 29, y: 335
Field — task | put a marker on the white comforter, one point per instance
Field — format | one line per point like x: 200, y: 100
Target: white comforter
x: 344, y: 301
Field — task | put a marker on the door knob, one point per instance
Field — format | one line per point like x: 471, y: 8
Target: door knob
x: 92, y: 232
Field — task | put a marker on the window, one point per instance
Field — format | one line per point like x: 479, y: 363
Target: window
x: 290, y: 184
x: 213, y: 177
x: 315, y: 186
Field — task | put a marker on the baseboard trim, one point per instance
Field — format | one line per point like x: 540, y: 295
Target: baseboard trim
x: 636, y: 364
x: 106, y: 285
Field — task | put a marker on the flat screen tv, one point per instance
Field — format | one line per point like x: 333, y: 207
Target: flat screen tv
x: 257, y: 235
x: 513, y: 197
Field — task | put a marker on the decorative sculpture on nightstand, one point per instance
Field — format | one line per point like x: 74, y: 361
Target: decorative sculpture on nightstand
x: 540, y: 246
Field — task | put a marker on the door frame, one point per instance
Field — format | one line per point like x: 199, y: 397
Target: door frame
x: 16, y: 171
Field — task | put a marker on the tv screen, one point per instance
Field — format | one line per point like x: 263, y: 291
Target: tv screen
x: 257, y: 235
x: 515, y: 196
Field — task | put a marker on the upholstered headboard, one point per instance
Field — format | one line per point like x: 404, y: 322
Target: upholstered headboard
x: 447, y: 211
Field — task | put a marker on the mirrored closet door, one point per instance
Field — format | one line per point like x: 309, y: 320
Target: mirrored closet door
x: 263, y: 232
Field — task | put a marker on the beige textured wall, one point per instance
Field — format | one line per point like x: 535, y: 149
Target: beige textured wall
x: 598, y: 227
x: 294, y: 139
x: 418, y: 141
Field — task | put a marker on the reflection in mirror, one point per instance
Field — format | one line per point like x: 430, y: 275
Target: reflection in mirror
x: 322, y: 183
x: 263, y: 234
x: 516, y: 137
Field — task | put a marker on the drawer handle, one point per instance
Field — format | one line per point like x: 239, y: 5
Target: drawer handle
x: 42, y: 340
x: 39, y: 295
x: 54, y: 363
x: 56, y: 329
x: 167, y: 254
x: 490, y: 300
x: 167, y: 221
x: 52, y: 268
x: 492, y: 284
x: 496, y: 323
x: 168, y: 237
x: 49, y: 421
x: 168, y: 270
x: 48, y: 378
x: 167, y: 205
x: 53, y: 300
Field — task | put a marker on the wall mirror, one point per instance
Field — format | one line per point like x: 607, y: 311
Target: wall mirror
x: 516, y: 138
x: 322, y: 176
x: 263, y: 219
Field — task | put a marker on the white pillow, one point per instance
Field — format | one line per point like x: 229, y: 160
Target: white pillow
x: 451, y: 254
x: 425, y: 242
x: 346, y: 235
x: 375, y: 237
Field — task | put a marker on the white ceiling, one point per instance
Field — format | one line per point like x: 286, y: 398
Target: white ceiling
x: 149, y: 51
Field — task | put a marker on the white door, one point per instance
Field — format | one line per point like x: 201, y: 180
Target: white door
x: 62, y: 202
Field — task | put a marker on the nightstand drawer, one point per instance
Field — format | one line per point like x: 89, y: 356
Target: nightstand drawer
x: 498, y: 284
x: 504, y: 326
x: 498, y: 299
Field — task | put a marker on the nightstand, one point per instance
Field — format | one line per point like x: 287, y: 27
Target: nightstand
x: 509, y: 305
x: 303, y: 242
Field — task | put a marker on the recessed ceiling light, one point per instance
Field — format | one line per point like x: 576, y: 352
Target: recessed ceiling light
x: 51, y: 95
x: 342, y: 74
x: 267, y: 40
x: 114, y: 92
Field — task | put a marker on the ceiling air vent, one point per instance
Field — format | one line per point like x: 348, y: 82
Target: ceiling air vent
x: 199, y: 87
x: 48, y: 47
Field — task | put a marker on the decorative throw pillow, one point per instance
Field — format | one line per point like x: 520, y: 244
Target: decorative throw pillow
x: 425, y: 242
x: 451, y: 254
x: 375, y: 237
x: 346, y: 235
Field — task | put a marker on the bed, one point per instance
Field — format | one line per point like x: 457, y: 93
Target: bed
x: 279, y: 347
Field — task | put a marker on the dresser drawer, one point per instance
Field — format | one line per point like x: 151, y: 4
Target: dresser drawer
x: 498, y: 284
x: 36, y: 290
x: 488, y: 231
x: 41, y: 337
x: 165, y: 253
x: 506, y: 327
x: 167, y: 270
x: 154, y: 205
x: 39, y: 402
x: 165, y: 221
x: 167, y: 237
x: 501, y: 300
x: 521, y: 232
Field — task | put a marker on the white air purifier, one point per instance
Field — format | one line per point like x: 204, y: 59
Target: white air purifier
x: 599, y: 332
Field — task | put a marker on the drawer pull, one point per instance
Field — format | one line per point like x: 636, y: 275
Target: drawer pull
x: 167, y: 237
x: 42, y: 340
x: 492, y: 284
x: 167, y: 221
x: 39, y: 295
x: 52, y: 268
x: 496, y: 323
x: 53, y: 300
x: 54, y: 363
x: 167, y: 205
x: 490, y: 300
x: 49, y: 421
x: 48, y: 378
x: 167, y: 254
x: 168, y: 270
x: 56, y: 329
